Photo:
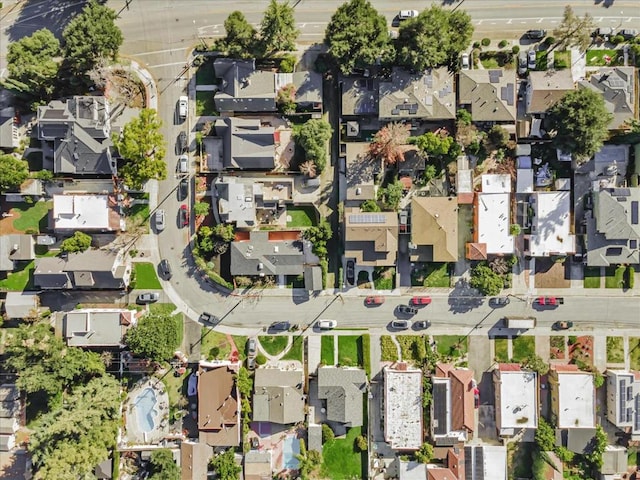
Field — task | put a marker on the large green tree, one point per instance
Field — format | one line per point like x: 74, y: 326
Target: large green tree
x: 141, y: 145
x: 434, y: 38
x: 13, y: 172
x: 79, y: 242
x: 278, y: 30
x: 155, y: 337
x: 225, y: 466
x: 241, y: 39
x: 433, y: 144
x: 574, y: 31
x: 91, y: 36
x: 486, y: 280
x: 313, y: 137
x: 163, y: 467
x: 71, y: 440
x: 357, y: 36
x: 580, y: 122
x: 33, y: 64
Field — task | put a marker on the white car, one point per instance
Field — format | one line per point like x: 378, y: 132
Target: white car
x: 183, y: 164
x: 531, y: 59
x: 464, y: 61
x: 159, y: 218
x: 183, y: 107
x: 407, y: 14
x: 326, y: 324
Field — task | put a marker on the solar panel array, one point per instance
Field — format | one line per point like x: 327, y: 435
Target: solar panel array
x: 367, y: 218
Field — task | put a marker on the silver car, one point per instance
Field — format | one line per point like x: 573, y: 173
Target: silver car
x: 159, y: 219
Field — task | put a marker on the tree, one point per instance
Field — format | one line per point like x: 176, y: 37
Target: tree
x: 580, y: 121
x: 390, y: 143
x: 141, y: 145
x: 327, y: 433
x: 545, y: 436
x: 13, y: 172
x: 201, y: 208
x: 286, y: 99
x: 32, y: 64
x: 308, y: 168
x: 486, y: 280
x: 244, y: 382
x: 463, y: 117
x: 155, y: 337
x: 224, y: 231
x: 357, y: 35
x: 90, y: 36
x: 361, y: 444
x: 163, y: 467
x: 433, y: 144
x: 225, y: 466
x: 391, y: 195
x: 278, y: 30
x: 596, y: 448
x: 313, y: 137
x: 241, y: 39
x: 370, y: 206
x: 205, y: 239
x: 498, y: 136
x: 434, y: 38
x: 537, y: 364
x: 319, y: 236
x: 574, y: 31
x: 425, y: 453
x: 430, y: 172
x: 79, y: 242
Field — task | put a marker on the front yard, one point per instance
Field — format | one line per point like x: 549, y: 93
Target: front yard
x: 205, y: 106
x: 327, y: 350
x: 350, y: 350
x: 453, y: 346
x: 523, y: 347
x: 501, y: 346
x: 591, y: 277
x: 614, y: 277
x: 301, y: 216
x: 145, y: 277
x: 431, y: 275
x: 604, y: 57
x: 615, y: 350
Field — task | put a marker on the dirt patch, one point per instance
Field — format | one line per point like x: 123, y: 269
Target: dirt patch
x: 123, y: 87
x: 581, y: 350
x: 6, y: 223
x: 550, y: 274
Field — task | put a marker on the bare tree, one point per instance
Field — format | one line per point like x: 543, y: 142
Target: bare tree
x: 308, y: 168
x: 390, y: 143
x: 574, y: 31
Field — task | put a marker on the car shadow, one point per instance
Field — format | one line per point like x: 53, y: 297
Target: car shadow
x: 463, y: 298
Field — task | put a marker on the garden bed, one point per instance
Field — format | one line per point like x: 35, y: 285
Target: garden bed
x: 615, y: 350
x: 327, y: 350
x: 384, y: 278
x: 634, y: 353
x: 581, y: 351
x: 557, y: 347
x: 523, y: 347
x: 501, y: 346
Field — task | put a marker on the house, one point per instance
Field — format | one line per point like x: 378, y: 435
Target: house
x: 428, y: 95
x: 308, y: 88
x: 218, y: 404
x: 257, y: 465
x: 92, y: 269
x: 278, y: 396
x: 359, y: 97
x: 516, y: 399
x: 371, y: 238
x: 341, y: 390
x: 623, y: 399
x: 452, y: 407
x: 490, y: 95
x: 80, y: 130
x: 22, y: 305
x: 90, y: 213
x: 435, y: 236
x: 97, y: 327
x: 572, y: 397
x: 545, y: 88
x: 617, y: 85
x: 613, y: 229
x: 194, y: 460
x: 551, y: 225
x: 403, y: 407
x: 361, y: 172
x: 452, y: 469
x: 242, y: 144
x: 260, y: 253
x: 15, y: 248
x: 8, y: 129
x: 104, y: 470
x: 485, y: 461
x: 614, y: 463
x: 9, y: 414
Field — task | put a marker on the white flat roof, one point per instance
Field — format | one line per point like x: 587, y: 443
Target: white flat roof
x: 81, y: 212
x: 403, y: 408
x: 576, y: 400
x: 496, y: 183
x: 518, y: 402
x: 524, y: 183
x: 552, y: 223
x: 494, y: 214
x: 495, y: 462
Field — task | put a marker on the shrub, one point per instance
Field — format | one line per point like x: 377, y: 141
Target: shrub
x: 515, y: 49
x: 361, y: 444
x: 502, y: 44
x: 486, y: 42
x: 288, y: 63
x: 370, y: 206
x: 78, y: 243
x: 616, y: 39
x: 572, y: 339
x: 549, y: 41
x: 327, y: 433
x: 630, y: 277
x: 476, y: 45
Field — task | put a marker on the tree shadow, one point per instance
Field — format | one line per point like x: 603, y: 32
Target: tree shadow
x: 463, y: 298
x: 37, y: 14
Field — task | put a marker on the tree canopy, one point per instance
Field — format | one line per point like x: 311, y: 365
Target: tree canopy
x: 313, y: 137
x: 391, y: 195
x: 486, y: 280
x: 13, y: 171
x: 79, y: 242
x: 574, y: 31
x: 434, y: 38
x: 433, y: 144
x: 580, y: 121
x: 241, y: 39
x: 154, y: 337
x: 390, y: 143
x: 90, y: 36
x: 225, y: 466
x: 545, y: 436
x: 32, y: 64
x: 163, y: 467
x: 357, y: 35
x: 278, y: 30
x: 425, y: 453
x: 141, y: 145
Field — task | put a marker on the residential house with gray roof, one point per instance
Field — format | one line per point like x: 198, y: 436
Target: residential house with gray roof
x: 371, y: 238
x: 613, y: 229
x: 15, y: 248
x: 545, y: 88
x: 278, y: 396
x: 9, y: 138
x: 617, y: 85
x: 261, y: 252
x: 9, y: 413
x: 428, y: 95
x: 97, y: 327
x: 246, y: 144
x: 80, y: 130
x: 359, y: 97
x: 341, y: 389
x: 490, y: 95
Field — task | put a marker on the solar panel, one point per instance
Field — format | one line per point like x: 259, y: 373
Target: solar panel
x: 634, y: 212
x: 616, y: 82
x: 367, y: 218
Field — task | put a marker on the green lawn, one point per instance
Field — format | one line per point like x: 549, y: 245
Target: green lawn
x: 214, y: 345
x: 596, y: 58
x: 19, y: 280
x: 339, y: 460
x: 33, y: 217
x: 541, y: 60
x: 451, y: 345
x: 634, y: 352
x: 295, y: 281
x: 561, y: 59
x: 615, y: 350
x: 295, y: 351
x: 205, y: 104
x: 591, y: 277
x: 614, y: 277
x: 273, y: 344
x: 501, y: 350
x: 138, y: 216
x: 145, y: 276
x: 176, y: 388
x: 301, y: 216
x: 349, y: 351
x: 523, y: 347
x: 384, y: 278
x: 327, y: 350
x: 432, y: 275
x: 206, y: 75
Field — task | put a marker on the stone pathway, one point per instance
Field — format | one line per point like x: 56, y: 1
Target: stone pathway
x: 314, y: 347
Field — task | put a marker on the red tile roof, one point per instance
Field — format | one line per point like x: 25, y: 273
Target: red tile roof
x: 463, y: 416
x: 509, y: 367
x: 568, y: 368
x: 465, y: 198
x: 476, y: 251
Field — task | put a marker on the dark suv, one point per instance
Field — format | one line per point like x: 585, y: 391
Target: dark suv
x: 165, y: 269
x: 535, y: 34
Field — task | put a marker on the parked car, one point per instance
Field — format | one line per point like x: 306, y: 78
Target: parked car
x: 422, y: 324
x: 150, y: 297
x: 351, y: 272
x: 181, y: 143
x: 183, y: 107
x: 159, y: 219
x: 549, y: 301
x: 165, y: 269
x: 326, y: 324
x: 404, y: 220
x: 407, y: 14
x: 538, y: 34
x: 374, y: 300
x: 562, y: 325
x: 464, y: 61
x: 251, y: 363
x: 628, y: 33
x: 603, y: 32
x: 401, y: 324
x: 406, y: 310
x: 522, y: 63
x: 183, y: 214
x: 531, y: 59
x: 183, y: 189
x: 497, y: 302
x: 183, y: 164
x: 280, y: 326
x: 252, y: 347
x: 209, y: 318
x: 420, y: 301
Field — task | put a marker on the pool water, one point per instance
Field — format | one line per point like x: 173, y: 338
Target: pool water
x: 145, y: 410
x: 290, y: 448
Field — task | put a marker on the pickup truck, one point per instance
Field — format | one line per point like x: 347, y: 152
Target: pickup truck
x: 520, y: 323
x: 549, y: 301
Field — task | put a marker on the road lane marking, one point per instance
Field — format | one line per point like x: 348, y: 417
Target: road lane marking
x: 163, y: 51
x: 166, y: 64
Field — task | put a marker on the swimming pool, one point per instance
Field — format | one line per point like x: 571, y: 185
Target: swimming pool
x: 146, y: 411
x: 290, y: 448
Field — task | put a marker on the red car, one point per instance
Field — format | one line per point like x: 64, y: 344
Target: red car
x: 374, y: 300
x: 420, y: 301
x: 549, y: 301
x: 184, y: 216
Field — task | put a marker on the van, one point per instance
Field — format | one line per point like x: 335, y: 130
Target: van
x: 183, y: 105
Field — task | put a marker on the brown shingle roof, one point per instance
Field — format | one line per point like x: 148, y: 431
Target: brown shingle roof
x: 218, y: 405
x: 434, y: 221
x: 476, y: 251
x: 546, y: 88
x: 371, y: 238
x: 462, y: 417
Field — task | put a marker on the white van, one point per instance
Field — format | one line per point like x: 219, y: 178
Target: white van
x: 183, y: 106
x: 326, y: 324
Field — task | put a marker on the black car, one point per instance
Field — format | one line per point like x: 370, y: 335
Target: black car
x: 208, y: 318
x: 351, y: 272
x: 183, y: 189
x: 280, y: 327
x: 535, y: 34
x: 406, y: 310
x: 421, y: 325
x: 181, y: 143
x: 165, y: 269
x: 497, y: 302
